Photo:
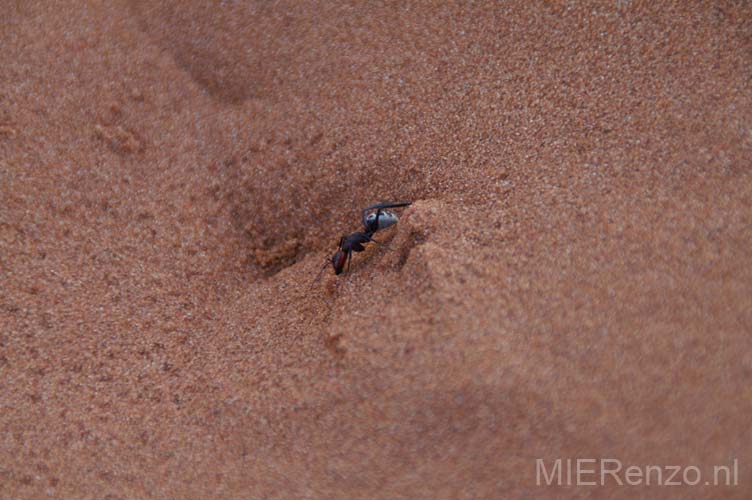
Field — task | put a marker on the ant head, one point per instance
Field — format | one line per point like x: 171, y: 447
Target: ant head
x: 338, y: 261
x: 386, y: 219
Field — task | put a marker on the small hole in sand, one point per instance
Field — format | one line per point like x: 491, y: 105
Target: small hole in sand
x: 416, y: 238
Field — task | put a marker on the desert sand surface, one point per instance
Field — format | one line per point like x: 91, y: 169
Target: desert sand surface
x: 573, y: 280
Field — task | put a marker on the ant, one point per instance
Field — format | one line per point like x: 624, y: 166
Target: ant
x: 371, y: 223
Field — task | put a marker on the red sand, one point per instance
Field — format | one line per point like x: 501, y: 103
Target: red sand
x: 574, y: 279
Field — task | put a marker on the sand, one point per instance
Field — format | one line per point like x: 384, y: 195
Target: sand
x: 573, y: 280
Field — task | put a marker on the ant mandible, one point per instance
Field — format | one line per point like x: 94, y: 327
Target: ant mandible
x: 354, y: 242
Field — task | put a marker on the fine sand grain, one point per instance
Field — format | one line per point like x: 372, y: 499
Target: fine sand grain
x: 574, y: 279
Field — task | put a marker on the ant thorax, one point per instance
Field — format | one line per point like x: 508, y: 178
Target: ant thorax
x: 386, y: 219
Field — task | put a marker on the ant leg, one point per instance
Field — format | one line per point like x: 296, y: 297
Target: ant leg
x: 319, y: 274
x: 349, y: 259
x: 371, y: 230
x: 382, y: 245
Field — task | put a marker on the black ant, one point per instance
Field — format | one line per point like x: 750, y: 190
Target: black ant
x: 371, y: 223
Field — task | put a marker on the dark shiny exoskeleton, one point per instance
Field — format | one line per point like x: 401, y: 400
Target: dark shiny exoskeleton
x: 371, y: 223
